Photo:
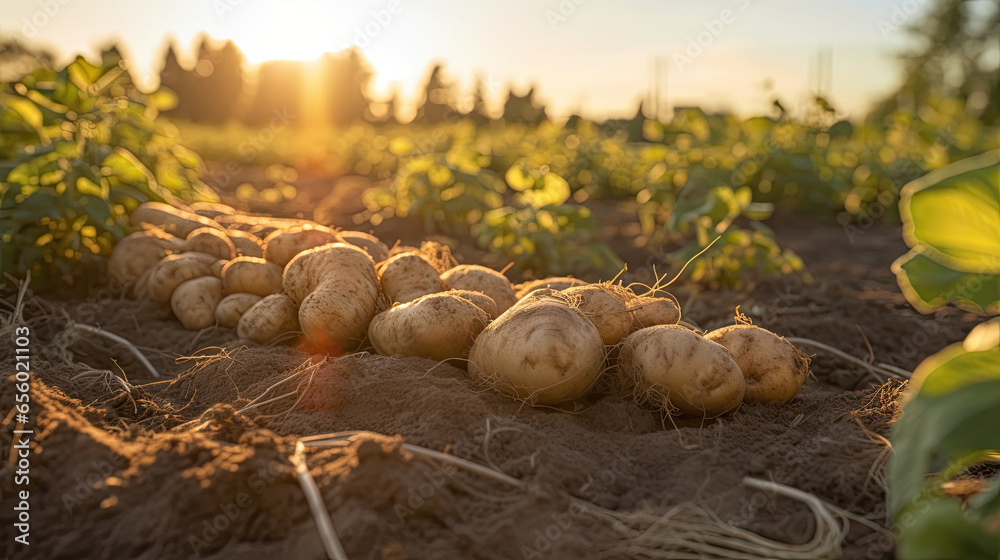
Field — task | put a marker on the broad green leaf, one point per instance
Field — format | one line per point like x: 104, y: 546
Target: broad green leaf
x: 940, y: 530
x: 929, y: 285
x: 955, y: 212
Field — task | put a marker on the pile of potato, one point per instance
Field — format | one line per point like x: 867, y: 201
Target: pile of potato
x: 546, y: 341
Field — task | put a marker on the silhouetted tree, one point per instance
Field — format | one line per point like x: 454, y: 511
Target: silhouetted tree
x: 208, y: 92
x: 479, y: 114
x: 522, y: 109
x: 346, y: 77
x: 436, y: 102
x: 636, y: 126
x: 18, y: 60
x: 279, y: 92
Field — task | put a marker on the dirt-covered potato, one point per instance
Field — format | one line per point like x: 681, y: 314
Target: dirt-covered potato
x: 774, y: 369
x: 268, y: 319
x: 251, y: 275
x: 282, y: 245
x: 339, y: 294
x: 670, y: 367
x: 247, y: 244
x: 552, y: 283
x: 378, y: 251
x: 172, y: 271
x: 212, y: 242
x: 604, y: 308
x: 481, y: 300
x: 541, y: 350
x: 652, y: 311
x: 138, y: 252
x: 477, y: 278
x: 436, y: 326
x: 217, y: 267
x: 408, y: 276
x: 172, y: 220
x: 211, y: 210
x: 194, y: 302
x: 232, y: 307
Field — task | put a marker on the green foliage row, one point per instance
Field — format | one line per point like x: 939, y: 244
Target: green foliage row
x: 80, y: 149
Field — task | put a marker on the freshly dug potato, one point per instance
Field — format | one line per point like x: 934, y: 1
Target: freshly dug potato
x: 251, y: 275
x: 407, y: 276
x: 171, y: 220
x: 477, y: 278
x: 554, y: 283
x: 232, y: 307
x: 211, y: 241
x: 604, y: 308
x: 774, y: 369
x: 211, y: 210
x: 268, y: 319
x: 282, y: 245
x: 217, y: 267
x: 378, y: 251
x: 339, y: 294
x: 541, y: 350
x: 436, y: 326
x: 652, y: 311
x: 481, y: 300
x: 194, y: 302
x: 262, y: 226
x: 247, y: 244
x: 671, y: 367
x: 138, y: 252
x: 172, y: 271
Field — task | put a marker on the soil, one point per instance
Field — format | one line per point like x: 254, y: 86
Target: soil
x: 197, y: 463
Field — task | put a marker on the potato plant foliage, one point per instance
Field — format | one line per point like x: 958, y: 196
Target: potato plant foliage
x: 80, y: 149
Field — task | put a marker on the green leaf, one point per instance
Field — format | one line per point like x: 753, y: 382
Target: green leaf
x: 940, y: 530
x: 955, y: 213
x: 929, y: 285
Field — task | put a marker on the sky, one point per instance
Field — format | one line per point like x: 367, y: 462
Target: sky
x: 593, y: 57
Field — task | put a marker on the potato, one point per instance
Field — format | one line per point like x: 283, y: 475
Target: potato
x: 212, y: 242
x: 652, y: 311
x: 211, y: 210
x: 194, y: 302
x: 603, y: 304
x: 174, y: 270
x: 262, y: 226
x: 268, y: 319
x: 217, y: 267
x: 247, y: 244
x: 553, y: 283
x: 774, y: 369
x: 339, y: 294
x: 378, y: 251
x: 138, y: 252
x: 481, y: 300
x: 541, y: 350
x: 436, y: 326
x: 671, y: 367
x: 477, y: 278
x: 171, y: 220
x: 282, y: 245
x: 232, y: 307
x: 251, y: 275
x: 405, y: 277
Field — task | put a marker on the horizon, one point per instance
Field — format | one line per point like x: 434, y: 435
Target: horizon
x: 711, y: 57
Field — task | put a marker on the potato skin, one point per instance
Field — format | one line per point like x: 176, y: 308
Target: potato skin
x: 172, y: 271
x: 477, y: 278
x: 774, y: 369
x: 557, y: 283
x: 211, y: 241
x: 339, y: 294
x: 407, y: 276
x: 138, y: 252
x: 217, y: 267
x: 268, y: 319
x: 194, y: 302
x: 247, y: 244
x: 671, y: 367
x: 211, y: 210
x: 481, y: 300
x: 171, y: 220
x: 608, y: 313
x: 541, y: 350
x: 282, y: 245
x: 378, y: 250
x: 251, y: 275
x: 436, y: 326
x: 652, y: 311
x: 232, y: 307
